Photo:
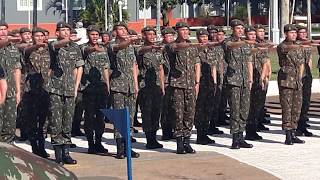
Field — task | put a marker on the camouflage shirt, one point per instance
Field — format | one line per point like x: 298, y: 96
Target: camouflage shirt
x: 38, y: 68
x: 121, y: 65
x: 63, y: 63
x: 10, y: 60
x: 220, y: 59
x: 307, y: 55
x: 289, y: 62
x: 258, y: 60
x: 167, y: 56
x: 182, y: 67
x: 149, y: 66
x: 237, y: 60
x: 208, y: 60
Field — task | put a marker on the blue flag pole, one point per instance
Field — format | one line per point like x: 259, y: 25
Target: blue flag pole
x: 128, y: 144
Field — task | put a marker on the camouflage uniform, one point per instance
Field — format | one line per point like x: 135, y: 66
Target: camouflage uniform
x: 290, y: 85
x: 61, y: 89
x: 182, y: 80
x: 205, y: 100
x: 95, y: 92
x: 236, y: 79
x: 122, y: 80
x: 10, y: 61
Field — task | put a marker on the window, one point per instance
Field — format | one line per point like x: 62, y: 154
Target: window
x: 26, y: 5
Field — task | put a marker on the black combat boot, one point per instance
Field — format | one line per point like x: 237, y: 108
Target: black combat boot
x: 213, y: 130
x: 203, y: 139
x: 242, y: 142
x: 295, y: 139
x: 288, y: 140
x: 166, y: 134
x: 133, y: 153
x: 66, y: 158
x: 251, y: 133
x: 187, y: 146
x: 120, y: 149
x: 58, y: 154
x: 99, y: 148
x: 91, y: 148
x: 152, y: 142
x: 261, y: 127
x: 235, y: 141
x: 42, y: 151
x: 180, y: 146
x: 34, y: 146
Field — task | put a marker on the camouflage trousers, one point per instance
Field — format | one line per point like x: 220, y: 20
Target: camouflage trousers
x: 78, y: 112
x: 60, y: 123
x: 183, y: 102
x: 291, y: 101
x: 93, y: 117
x: 166, y: 114
x: 121, y: 100
x: 149, y: 99
x: 257, y: 100
x: 8, y: 115
x: 239, y: 101
x: 306, y: 95
x: 220, y: 105
x: 204, y: 108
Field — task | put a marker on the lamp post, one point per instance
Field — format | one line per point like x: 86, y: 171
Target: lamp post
x: 120, y: 10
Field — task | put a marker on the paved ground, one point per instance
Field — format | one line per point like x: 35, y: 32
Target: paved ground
x: 269, y: 159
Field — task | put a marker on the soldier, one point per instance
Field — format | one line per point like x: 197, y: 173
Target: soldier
x: 105, y: 37
x: 208, y: 82
x: 124, y: 78
x: 47, y: 33
x: 151, y: 86
x: 258, y: 92
x: 213, y: 34
x: 167, y: 124
x: 36, y: 97
x: 96, y: 90
x: 66, y: 66
x: 307, y: 83
x: 238, y: 79
x: 184, y: 78
x: 291, y: 61
x: 3, y: 88
x: 10, y: 61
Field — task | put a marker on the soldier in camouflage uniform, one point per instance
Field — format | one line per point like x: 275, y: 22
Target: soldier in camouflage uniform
x: 258, y: 92
x: 291, y: 61
x: 184, y: 78
x: 167, y: 124
x: 150, y: 61
x: 238, y: 79
x: 10, y: 60
x: 3, y: 88
x: 307, y: 83
x: 208, y: 82
x: 124, y: 78
x: 66, y: 65
x: 36, y: 97
x: 96, y: 91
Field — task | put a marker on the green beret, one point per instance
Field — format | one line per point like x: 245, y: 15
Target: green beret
x: 120, y: 24
x: 36, y: 30
x: 212, y: 28
x: 73, y: 31
x: 24, y: 30
x: 168, y: 30
x: 62, y: 24
x: 148, y: 28
x: 290, y: 27
x: 3, y: 23
x: 300, y: 27
x: 132, y: 32
x: 258, y: 26
x: 249, y: 29
x: 220, y: 29
x: 93, y: 28
x: 202, y: 31
x: 181, y: 25
x: 236, y: 22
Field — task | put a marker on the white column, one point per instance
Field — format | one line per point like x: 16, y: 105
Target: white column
x: 275, y: 21
x: 309, y: 19
x: 106, y: 14
x: 120, y: 10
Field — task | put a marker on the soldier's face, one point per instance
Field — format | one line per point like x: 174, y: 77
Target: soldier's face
x: 260, y: 33
x: 3, y: 32
x: 238, y: 31
x: 63, y: 33
x: 168, y: 38
x: 220, y: 36
x: 46, y: 36
x: 38, y: 37
x: 183, y: 33
x: 26, y: 37
x: 302, y: 34
x: 93, y: 37
x: 291, y: 35
x: 150, y: 36
x: 105, y: 38
x: 213, y: 36
x: 121, y: 32
x: 203, y: 38
x: 251, y: 35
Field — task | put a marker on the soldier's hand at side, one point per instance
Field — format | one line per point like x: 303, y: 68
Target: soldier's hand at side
x: 75, y: 94
x: 196, y: 89
x: 18, y: 99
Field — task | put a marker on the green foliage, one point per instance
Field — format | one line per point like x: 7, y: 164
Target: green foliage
x: 240, y: 12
